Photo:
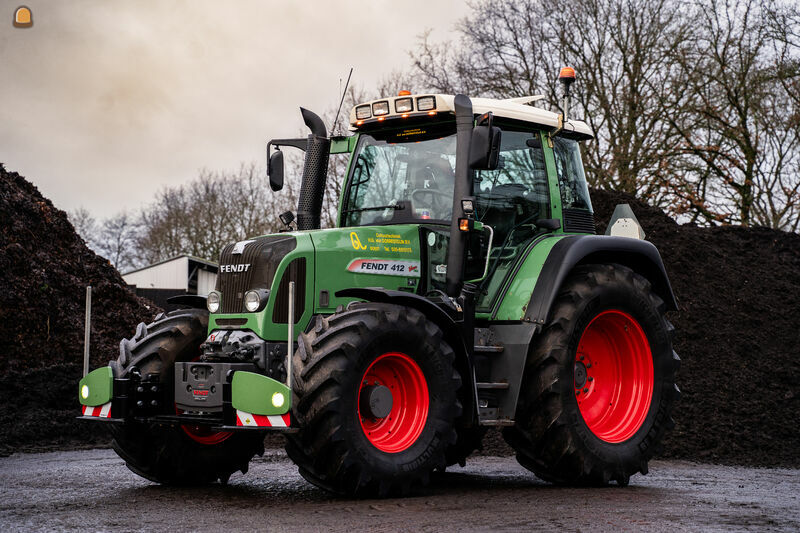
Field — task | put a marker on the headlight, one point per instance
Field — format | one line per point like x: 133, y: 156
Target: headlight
x: 251, y: 301
x: 363, y: 112
x: 426, y: 103
x: 254, y: 300
x: 213, y: 301
x: 85, y: 392
x: 380, y: 108
x: 403, y: 105
x: 278, y: 399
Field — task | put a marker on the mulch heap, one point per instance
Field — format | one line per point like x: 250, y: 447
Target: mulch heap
x: 737, y: 330
x: 44, y: 270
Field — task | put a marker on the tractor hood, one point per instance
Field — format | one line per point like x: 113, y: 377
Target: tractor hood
x: 320, y: 263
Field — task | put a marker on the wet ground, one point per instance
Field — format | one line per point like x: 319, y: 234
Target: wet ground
x: 93, y: 491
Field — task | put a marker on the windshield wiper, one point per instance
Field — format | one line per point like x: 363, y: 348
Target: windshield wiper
x: 398, y: 206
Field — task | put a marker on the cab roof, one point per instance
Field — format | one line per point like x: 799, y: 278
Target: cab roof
x: 511, y: 108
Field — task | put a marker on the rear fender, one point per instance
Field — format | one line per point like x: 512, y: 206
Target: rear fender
x: 639, y: 255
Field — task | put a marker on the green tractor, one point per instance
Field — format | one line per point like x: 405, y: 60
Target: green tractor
x: 463, y: 288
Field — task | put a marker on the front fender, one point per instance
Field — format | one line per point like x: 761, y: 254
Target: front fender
x: 450, y: 325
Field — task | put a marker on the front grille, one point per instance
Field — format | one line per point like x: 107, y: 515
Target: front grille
x: 296, y: 271
x: 231, y: 322
x: 263, y: 255
x: 578, y: 221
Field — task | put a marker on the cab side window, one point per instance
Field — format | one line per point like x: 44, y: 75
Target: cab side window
x: 516, y: 193
x: 571, y: 179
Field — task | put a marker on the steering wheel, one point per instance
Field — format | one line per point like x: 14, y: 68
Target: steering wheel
x: 439, y: 201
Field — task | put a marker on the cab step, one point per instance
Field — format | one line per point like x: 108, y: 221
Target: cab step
x: 488, y: 349
x: 492, y: 386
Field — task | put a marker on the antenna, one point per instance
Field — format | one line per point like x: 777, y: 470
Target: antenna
x: 346, y: 85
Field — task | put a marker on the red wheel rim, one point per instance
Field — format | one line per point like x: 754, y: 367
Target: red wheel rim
x: 403, y: 425
x: 614, y: 376
x: 203, y: 435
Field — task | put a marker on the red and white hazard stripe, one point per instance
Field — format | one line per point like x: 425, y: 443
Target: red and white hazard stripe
x: 267, y: 421
x: 101, y: 411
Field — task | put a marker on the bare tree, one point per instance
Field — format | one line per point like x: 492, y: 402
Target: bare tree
x: 201, y: 217
x: 694, y: 104
x: 85, y: 225
x: 621, y: 50
x: 116, y: 241
x: 733, y: 105
x: 217, y: 208
x: 114, y: 238
x: 624, y: 57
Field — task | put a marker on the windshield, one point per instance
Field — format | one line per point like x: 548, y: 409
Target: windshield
x: 402, y: 176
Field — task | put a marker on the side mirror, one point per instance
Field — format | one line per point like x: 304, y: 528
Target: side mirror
x: 484, y: 149
x: 275, y: 170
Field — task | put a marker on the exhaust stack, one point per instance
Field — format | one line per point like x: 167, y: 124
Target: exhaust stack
x: 315, y: 173
x: 462, y: 189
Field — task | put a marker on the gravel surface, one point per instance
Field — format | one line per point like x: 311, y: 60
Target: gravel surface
x: 93, y: 491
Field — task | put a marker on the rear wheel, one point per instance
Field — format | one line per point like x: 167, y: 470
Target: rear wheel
x: 375, y: 398
x: 169, y: 454
x: 599, y: 383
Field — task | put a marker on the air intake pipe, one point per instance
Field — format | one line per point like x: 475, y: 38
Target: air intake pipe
x: 315, y: 173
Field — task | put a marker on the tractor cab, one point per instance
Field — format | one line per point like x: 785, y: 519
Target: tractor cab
x: 403, y: 171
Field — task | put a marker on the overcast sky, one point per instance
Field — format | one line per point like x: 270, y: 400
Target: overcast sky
x: 103, y: 103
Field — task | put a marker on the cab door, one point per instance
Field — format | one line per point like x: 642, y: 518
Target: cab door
x: 511, y: 199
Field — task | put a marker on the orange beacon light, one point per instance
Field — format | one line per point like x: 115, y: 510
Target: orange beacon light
x: 23, y: 17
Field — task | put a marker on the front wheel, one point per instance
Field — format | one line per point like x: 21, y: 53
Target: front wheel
x: 599, y: 384
x: 185, y: 455
x: 375, y: 401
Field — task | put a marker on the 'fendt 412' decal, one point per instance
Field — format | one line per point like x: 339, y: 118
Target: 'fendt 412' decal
x: 387, y: 267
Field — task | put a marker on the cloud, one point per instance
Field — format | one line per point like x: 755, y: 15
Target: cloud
x: 103, y: 103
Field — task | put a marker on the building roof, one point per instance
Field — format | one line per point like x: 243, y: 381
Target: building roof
x: 190, y: 257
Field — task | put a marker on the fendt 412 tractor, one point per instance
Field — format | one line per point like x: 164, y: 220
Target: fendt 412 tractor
x: 462, y: 288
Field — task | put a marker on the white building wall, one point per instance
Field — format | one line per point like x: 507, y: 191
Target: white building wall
x: 170, y: 275
x: 206, y: 281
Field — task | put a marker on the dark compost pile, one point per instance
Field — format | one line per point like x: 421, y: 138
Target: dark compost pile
x: 737, y: 330
x: 44, y: 270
